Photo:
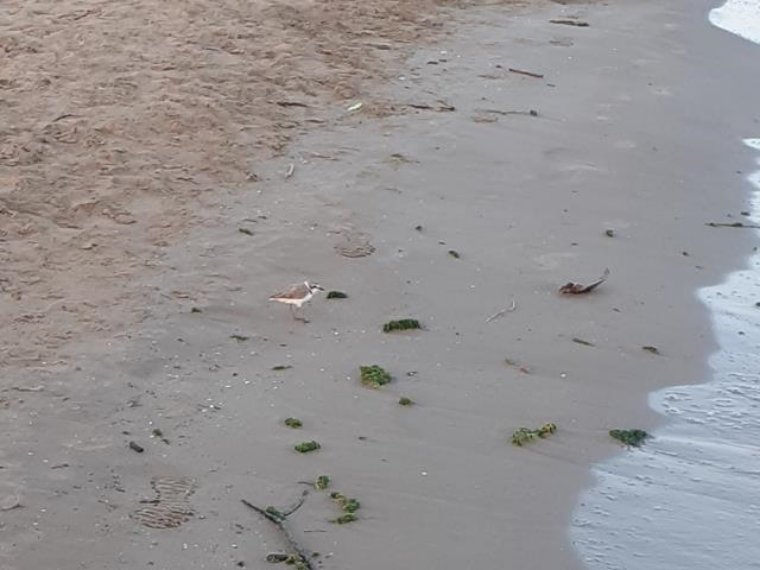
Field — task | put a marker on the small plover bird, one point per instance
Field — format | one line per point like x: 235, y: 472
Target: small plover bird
x: 296, y: 296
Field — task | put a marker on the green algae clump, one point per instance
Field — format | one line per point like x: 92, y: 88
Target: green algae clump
x: 307, y: 447
x: 294, y: 423
x: 322, y: 482
x: 630, y: 437
x: 401, y: 325
x: 525, y: 435
x: 374, y: 376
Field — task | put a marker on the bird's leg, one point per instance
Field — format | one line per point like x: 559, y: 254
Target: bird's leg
x: 301, y: 318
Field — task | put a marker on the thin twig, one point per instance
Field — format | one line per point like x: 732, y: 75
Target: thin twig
x: 297, y: 506
x: 528, y: 73
x: 291, y: 170
x: 732, y: 225
x: 512, y: 308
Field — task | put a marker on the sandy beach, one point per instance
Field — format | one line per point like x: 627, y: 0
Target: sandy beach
x: 165, y: 168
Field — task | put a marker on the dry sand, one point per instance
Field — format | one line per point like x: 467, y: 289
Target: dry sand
x: 114, y: 229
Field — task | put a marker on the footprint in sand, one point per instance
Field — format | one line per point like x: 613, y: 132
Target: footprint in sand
x: 171, y: 507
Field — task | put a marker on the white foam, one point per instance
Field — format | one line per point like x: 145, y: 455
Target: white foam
x: 740, y: 17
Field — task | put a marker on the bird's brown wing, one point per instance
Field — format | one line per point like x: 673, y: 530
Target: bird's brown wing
x: 295, y: 292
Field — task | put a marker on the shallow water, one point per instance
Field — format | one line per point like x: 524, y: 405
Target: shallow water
x: 690, y: 497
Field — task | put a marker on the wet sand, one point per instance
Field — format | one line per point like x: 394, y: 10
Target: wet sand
x: 525, y: 199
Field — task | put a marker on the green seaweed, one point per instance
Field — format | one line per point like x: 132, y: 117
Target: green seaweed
x: 401, y: 325
x: 160, y: 435
x: 322, y: 482
x: 245, y: 231
x: 347, y: 504
x: 374, y: 376
x: 239, y: 337
x: 345, y: 519
x: 294, y: 423
x: 336, y: 295
x: 307, y: 446
x: 630, y: 437
x: 404, y: 401
x: 525, y: 435
x: 454, y: 253
x: 196, y: 310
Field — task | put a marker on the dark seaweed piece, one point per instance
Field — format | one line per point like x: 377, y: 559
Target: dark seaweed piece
x: 404, y: 401
x: 245, y: 231
x: 196, y: 310
x: 652, y: 349
x: 239, y: 337
x: 630, y: 437
x: 307, y: 446
x: 336, y: 295
x: 401, y: 325
x: 281, y: 367
x: 454, y: 253
x: 294, y: 423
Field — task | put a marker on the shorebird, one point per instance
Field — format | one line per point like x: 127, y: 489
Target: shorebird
x: 296, y: 296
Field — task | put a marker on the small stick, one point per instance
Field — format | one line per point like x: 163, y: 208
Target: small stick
x: 528, y: 73
x: 291, y: 170
x: 503, y: 312
x: 732, y: 225
x: 577, y: 23
x: 64, y: 116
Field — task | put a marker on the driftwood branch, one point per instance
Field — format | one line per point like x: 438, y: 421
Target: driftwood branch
x: 278, y: 519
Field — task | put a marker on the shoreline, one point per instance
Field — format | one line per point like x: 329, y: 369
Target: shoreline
x: 698, y: 472
x: 512, y: 196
